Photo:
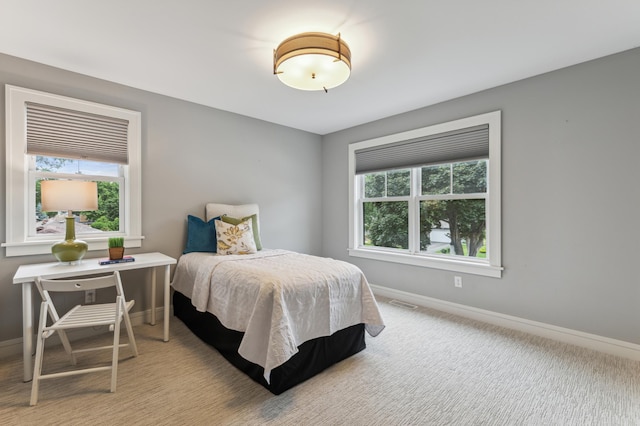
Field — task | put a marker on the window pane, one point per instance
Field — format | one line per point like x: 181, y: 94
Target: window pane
x: 470, y: 177
x: 71, y: 166
x: 386, y: 224
x: 436, y: 179
x: 395, y: 183
x: 374, y: 185
x: 453, y: 227
x: 105, y: 219
x: 398, y: 183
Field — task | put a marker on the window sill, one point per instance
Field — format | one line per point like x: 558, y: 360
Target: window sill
x: 453, y: 265
x: 30, y: 248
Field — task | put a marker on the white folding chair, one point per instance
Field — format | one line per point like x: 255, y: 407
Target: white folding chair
x: 81, y: 316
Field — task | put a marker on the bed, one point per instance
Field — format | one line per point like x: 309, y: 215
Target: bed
x: 279, y: 316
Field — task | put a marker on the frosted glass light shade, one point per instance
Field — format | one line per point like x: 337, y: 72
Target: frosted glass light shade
x: 312, y: 61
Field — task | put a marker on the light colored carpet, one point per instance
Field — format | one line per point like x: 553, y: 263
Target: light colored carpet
x: 425, y: 368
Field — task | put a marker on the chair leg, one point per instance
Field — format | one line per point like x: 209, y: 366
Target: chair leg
x: 132, y: 339
x: 116, y: 347
x: 67, y: 346
x: 37, y: 368
x: 63, y: 336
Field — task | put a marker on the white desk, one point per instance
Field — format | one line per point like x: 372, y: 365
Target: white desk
x: 26, y: 275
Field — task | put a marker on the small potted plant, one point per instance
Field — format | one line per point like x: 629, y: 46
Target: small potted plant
x: 116, y: 248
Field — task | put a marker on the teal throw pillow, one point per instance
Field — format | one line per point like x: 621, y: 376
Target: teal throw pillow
x: 201, y: 235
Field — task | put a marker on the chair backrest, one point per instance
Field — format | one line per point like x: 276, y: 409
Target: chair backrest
x: 79, y: 284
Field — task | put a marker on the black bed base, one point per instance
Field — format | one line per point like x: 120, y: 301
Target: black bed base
x: 313, y: 357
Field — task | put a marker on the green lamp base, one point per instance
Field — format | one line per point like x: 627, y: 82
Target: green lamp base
x: 70, y: 250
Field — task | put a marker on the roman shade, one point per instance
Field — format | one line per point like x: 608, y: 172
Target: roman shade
x: 65, y: 133
x: 457, y: 145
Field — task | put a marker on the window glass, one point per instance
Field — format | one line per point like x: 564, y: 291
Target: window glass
x: 436, y: 179
x: 394, y: 183
x: 398, y: 183
x: 72, y: 166
x: 375, y: 185
x: 386, y: 224
x: 105, y: 219
x: 106, y: 175
x: 453, y: 227
x: 469, y: 177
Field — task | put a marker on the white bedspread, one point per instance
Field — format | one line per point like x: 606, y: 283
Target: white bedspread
x: 278, y: 298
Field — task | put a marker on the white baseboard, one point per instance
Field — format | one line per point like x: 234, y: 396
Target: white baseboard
x: 566, y: 335
x: 14, y: 346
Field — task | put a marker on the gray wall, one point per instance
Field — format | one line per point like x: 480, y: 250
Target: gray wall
x: 191, y: 154
x: 570, y: 199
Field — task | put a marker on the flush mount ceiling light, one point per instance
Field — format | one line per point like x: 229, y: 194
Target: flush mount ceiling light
x: 312, y: 61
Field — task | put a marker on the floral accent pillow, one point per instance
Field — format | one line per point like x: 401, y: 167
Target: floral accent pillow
x: 235, y: 239
x: 254, y: 225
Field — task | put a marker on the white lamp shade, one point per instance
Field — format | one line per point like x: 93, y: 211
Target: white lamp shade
x: 73, y: 195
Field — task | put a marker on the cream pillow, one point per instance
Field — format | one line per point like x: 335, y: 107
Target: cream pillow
x: 235, y: 239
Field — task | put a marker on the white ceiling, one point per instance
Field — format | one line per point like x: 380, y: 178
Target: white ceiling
x: 406, y: 54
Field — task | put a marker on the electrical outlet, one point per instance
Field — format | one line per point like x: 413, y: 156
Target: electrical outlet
x: 90, y: 296
x: 457, y: 281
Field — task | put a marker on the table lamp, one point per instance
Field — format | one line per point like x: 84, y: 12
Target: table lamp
x: 69, y: 195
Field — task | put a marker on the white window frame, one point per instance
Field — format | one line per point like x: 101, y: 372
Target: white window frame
x: 18, y: 202
x: 492, y: 268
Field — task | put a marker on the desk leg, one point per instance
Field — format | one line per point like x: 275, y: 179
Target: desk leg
x: 167, y: 305
x: 153, y: 296
x: 27, y: 330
